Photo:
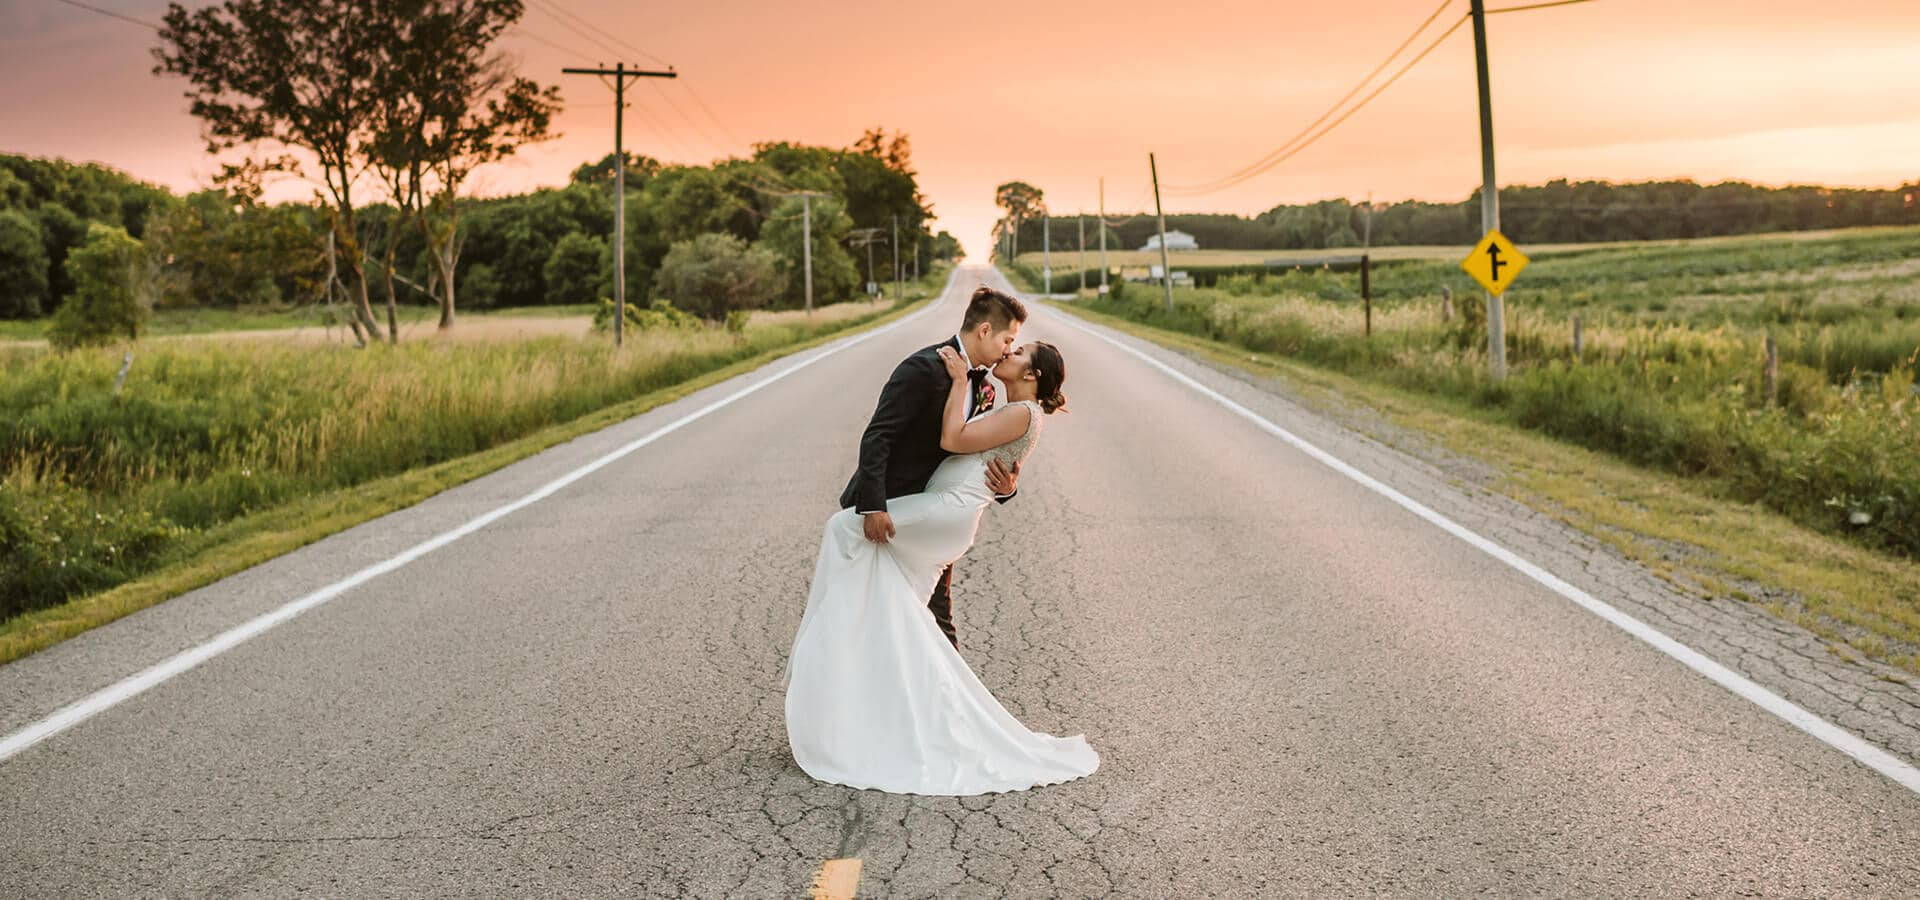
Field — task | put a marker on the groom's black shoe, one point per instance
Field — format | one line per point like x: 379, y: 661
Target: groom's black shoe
x: 942, y: 605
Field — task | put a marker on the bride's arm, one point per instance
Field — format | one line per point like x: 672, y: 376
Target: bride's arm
x: 957, y: 435
x: 984, y: 432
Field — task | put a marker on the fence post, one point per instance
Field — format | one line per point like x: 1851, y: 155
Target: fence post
x: 1773, y: 372
x: 1446, y: 304
x: 120, y: 379
x: 1576, y: 339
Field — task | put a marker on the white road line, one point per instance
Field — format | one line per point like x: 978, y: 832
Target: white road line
x: 107, y: 697
x: 1833, y: 735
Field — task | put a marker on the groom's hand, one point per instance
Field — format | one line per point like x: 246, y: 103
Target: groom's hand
x: 1000, y: 479
x: 879, y: 527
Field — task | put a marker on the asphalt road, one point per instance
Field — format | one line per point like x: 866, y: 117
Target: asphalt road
x: 1297, y: 688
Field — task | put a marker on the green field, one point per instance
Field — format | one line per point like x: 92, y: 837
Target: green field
x: 208, y: 438
x: 1068, y: 261
x: 1671, y: 375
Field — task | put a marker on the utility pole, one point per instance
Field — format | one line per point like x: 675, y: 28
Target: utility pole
x: 867, y: 237
x: 896, y: 256
x: 620, y: 74
x: 1489, y: 191
x: 1366, y: 260
x: 1166, y: 268
x: 1046, y: 253
x: 1103, y: 235
x: 806, y: 246
x: 1081, y: 243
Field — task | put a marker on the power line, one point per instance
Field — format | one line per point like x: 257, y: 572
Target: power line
x: 523, y: 32
x: 580, y: 25
x: 1283, y: 153
x: 111, y: 14
x: 556, y: 10
x: 1289, y: 154
x: 1508, y: 9
x: 688, y: 85
x: 582, y: 32
x: 719, y: 145
x: 1362, y: 83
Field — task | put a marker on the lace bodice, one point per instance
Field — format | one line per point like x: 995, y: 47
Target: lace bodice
x: 1019, y: 448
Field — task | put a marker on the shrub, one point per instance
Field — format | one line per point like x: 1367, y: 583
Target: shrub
x: 112, y: 290
x: 657, y: 316
x: 714, y: 274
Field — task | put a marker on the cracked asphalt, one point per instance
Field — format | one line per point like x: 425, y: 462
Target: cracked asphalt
x: 1297, y: 688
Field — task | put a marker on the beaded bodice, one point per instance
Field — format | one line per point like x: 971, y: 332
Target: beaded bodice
x: 1018, y: 449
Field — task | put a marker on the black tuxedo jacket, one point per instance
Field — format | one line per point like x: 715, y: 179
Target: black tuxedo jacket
x: 901, y: 446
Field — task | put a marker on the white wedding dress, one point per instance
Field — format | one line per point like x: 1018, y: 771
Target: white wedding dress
x: 876, y: 696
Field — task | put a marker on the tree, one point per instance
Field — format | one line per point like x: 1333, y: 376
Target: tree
x: 1022, y: 202
x: 692, y: 200
x: 449, y: 105
x: 112, y: 290
x: 835, y: 277
x: 23, y: 267
x: 600, y: 174
x: 285, y: 75
x: 945, y: 246
x: 574, y: 273
x: 715, y: 274
x: 220, y: 249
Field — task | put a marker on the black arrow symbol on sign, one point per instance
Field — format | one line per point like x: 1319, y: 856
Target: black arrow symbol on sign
x: 1493, y: 269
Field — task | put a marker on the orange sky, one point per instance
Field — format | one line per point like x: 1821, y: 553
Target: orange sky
x: 1058, y: 94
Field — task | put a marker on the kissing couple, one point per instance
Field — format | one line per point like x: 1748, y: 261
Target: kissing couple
x: 877, y: 693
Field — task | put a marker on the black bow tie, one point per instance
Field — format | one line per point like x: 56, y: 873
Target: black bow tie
x: 976, y: 375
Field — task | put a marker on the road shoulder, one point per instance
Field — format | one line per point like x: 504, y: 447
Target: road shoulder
x: 1538, y: 498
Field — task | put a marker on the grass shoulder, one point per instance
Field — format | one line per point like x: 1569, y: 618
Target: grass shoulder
x: 1689, y: 532
x: 198, y: 557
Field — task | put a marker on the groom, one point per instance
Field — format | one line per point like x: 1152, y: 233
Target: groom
x: 901, y: 446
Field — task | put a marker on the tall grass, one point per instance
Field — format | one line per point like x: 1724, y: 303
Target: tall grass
x: 1839, y: 451
x: 97, y: 488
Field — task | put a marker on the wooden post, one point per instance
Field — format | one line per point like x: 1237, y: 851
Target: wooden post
x: 1081, y: 221
x: 1166, y: 268
x: 1489, y: 192
x: 806, y: 246
x: 1046, y: 253
x: 1576, y: 338
x: 1446, y: 304
x: 1103, y: 235
x: 1366, y: 290
x: 1773, y: 372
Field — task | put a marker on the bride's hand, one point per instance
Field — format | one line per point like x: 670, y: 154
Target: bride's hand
x: 956, y: 367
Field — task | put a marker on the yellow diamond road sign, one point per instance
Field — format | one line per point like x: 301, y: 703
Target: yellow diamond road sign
x: 1494, y: 262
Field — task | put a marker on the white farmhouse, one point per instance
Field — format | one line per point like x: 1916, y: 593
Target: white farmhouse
x: 1176, y: 240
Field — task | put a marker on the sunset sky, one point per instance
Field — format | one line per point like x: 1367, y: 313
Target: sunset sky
x: 1058, y: 93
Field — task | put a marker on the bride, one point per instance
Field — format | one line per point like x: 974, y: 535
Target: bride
x: 876, y: 695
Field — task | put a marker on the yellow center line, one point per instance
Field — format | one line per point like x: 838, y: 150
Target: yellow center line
x: 837, y: 879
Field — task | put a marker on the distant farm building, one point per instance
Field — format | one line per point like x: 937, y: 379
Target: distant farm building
x: 1176, y: 240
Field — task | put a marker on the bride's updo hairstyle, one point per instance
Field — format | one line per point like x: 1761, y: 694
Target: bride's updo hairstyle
x: 1050, y: 372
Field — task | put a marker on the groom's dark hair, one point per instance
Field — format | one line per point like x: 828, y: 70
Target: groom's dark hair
x: 989, y: 305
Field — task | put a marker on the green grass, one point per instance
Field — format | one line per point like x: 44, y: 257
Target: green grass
x: 1069, y: 260
x: 174, y: 322
x: 217, y: 455
x: 1862, y: 602
x: 1674, y: 383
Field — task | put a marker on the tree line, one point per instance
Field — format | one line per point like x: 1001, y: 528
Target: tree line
x: 1559, y: 211
x: 389, y: 108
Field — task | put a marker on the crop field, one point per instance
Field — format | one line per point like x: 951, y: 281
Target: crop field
x: 1671, y: 371
x: 1068, y: 260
